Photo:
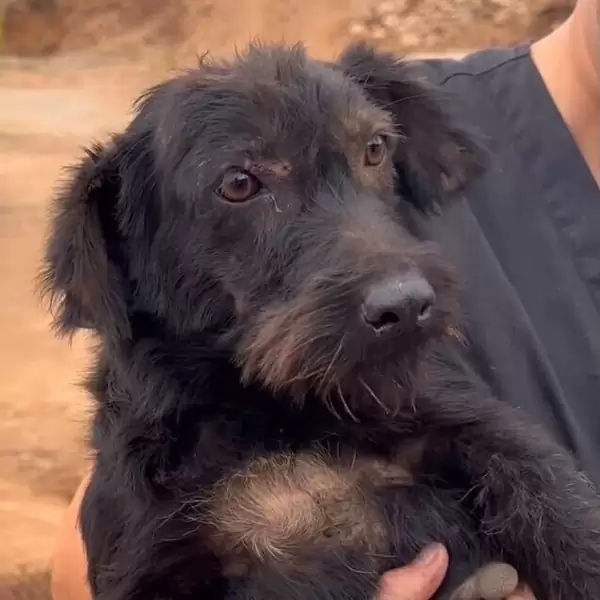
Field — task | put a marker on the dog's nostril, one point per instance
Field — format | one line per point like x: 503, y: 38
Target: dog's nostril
x: 388, y: 318
x: 425, y: 311
x: 401, y: 301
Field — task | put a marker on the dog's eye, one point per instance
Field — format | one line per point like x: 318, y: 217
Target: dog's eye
x: 238, y: 186
x: 375, y: 151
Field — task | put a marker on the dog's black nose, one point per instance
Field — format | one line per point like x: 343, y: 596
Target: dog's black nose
x: 398, y: 302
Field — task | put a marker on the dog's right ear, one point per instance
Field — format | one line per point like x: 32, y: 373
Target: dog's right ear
x: 82, y: 274
x: 435, y: 157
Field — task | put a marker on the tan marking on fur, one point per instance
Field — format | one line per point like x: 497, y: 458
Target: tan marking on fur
x: 358, y: 127
x: 276, y: 168
x: 385, y: 473
x: 379, y: 178
x: 279, y: 344
x: 365, y: 121
x: 287, y: 506
x: 410, y: 454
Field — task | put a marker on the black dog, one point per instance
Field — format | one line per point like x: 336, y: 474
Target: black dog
x: 280, y: 412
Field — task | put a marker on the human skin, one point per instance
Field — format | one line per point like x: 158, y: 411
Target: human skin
x: 569, y: 62
x: 420, y: 579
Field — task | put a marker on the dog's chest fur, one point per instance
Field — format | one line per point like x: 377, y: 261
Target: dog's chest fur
x: 282, y: 507
x: 271, y: 484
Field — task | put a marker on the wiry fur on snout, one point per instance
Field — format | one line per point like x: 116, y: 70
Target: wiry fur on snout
x: 258, y: 432
x: 309, y: 337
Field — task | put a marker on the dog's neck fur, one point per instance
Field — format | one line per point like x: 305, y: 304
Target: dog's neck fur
x: 177, y: 399
x: 168, y: 379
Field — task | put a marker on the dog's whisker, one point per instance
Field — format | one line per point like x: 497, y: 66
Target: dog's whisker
x: 307, y: 374
x: 274, y: 202
x: 322, y: 335
x: 345, y: 404
x: 331, y: 408
x: 334, y: 358
x: 348, y: 566
x: 397, y: 405
x: 412, y: 396
x: 374, y: 395
x: 454, y: 333
x: 405, y: 99
x: 327, y: 385
x: 354, y: 459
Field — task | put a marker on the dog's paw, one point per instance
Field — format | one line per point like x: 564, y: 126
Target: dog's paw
x: 494, y: 581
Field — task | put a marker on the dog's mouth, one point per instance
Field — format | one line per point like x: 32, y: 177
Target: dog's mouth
x: 350, y: 363
x: 351, y: 387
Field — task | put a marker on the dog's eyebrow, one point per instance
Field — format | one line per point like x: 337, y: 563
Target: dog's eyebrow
x: 367, y: 122
x: 277, y: 168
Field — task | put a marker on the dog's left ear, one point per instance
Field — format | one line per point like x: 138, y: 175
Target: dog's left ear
x: 81, y: 274
x: 434, y: 158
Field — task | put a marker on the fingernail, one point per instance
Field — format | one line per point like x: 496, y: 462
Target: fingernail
x: 430, y: 554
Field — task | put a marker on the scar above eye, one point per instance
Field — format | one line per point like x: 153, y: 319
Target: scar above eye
x: 274, y: 168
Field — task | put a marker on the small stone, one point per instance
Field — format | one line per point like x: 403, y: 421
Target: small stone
x: 410, y: 40
x: 385, y: 8
x: 501, y: 17
x: 378, y: 33
x: 410, y: 22
x: 357, y: 29
x: 401, y: 6
x: 392, y: 21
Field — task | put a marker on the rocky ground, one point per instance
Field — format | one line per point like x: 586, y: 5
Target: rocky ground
x: 68, y: 73
x: 436, y: 25
x: 43, y: 27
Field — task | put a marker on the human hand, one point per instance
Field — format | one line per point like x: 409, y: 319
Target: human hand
x: 420, y: 579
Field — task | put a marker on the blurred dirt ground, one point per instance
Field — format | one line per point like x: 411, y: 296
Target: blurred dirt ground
x: 69, y: 72
x: 38, y: 27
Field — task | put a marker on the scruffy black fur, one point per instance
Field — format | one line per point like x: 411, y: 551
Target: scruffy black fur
x: 259, y: 434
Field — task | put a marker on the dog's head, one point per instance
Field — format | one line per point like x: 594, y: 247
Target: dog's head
x: 269, y: 201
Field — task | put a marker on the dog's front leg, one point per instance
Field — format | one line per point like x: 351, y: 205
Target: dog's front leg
x: 419, y: 514
x: 526, y: 492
